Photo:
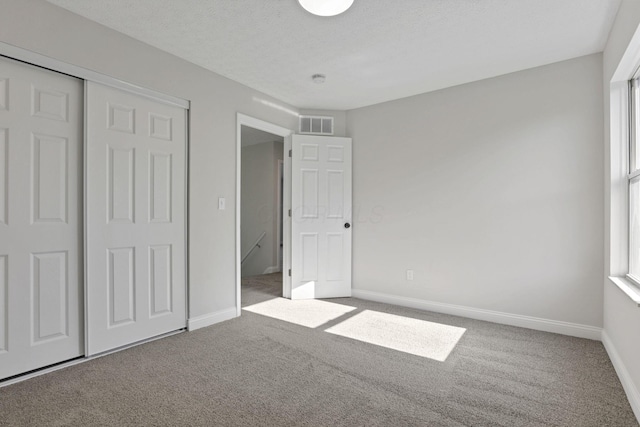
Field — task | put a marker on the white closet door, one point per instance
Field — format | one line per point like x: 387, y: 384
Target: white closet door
x: 321, y: 217
x: 136, y: 188
x: 40, y: 218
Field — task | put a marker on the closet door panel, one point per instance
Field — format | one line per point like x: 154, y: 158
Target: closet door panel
x: 136, y: 234
x: 41, y: 298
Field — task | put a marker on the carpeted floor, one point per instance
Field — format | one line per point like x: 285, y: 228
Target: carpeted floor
x: 258, y: 370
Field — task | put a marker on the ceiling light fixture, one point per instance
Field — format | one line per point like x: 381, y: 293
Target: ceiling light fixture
x: 326, y: 7
x: 318, y: 78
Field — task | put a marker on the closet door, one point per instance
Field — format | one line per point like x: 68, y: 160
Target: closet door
x: 41, y: 319
x: 136, y: 188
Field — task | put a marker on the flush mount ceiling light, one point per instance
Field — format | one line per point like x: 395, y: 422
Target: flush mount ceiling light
x: 325, y: 7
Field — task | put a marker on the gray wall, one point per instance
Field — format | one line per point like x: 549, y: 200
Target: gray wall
x: 46, y: 29
x: 259, y: 205
x: 491, y: 191
x: 621, y: 315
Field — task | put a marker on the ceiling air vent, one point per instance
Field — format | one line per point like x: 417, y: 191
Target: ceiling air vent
x: 316, y: 125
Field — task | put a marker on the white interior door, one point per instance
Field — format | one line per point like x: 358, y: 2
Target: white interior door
x: 321, y: 217
x: 136, y: 190
x: 40, y: 218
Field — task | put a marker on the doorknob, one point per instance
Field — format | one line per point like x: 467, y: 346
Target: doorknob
x: 347, y: 225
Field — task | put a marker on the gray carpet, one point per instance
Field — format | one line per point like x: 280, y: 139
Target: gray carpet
x: 257, y: 370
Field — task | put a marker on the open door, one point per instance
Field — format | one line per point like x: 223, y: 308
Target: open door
x: 320, y: 217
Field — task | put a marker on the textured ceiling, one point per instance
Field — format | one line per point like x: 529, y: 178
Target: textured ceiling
x: 377, y: 51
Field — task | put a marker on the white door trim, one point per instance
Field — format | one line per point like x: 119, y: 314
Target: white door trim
x: 280, y: 219
x: 44, y: 61
x: 244, y: 120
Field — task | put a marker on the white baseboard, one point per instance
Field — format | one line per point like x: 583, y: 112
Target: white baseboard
x: 625, y: 378
x: 274, y: 269
x: 546, y: 325
x: 211, y: 318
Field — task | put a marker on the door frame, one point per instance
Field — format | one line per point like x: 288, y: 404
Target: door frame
x: 280, y: 209
x: 252, y: 122
x: 33, y: 58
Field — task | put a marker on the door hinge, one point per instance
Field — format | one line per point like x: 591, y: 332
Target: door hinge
x: 289, y: 272
x: 289, y: 153
x: 289, y: 212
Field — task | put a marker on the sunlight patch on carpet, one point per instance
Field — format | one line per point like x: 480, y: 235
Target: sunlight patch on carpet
x: 413, y: 336
x: 310, y: 313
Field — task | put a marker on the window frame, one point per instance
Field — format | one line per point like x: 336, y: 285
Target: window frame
x: 618, y: 168
x: 633, y: 166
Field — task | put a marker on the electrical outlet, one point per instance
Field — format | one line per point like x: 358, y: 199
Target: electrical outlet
x: 409, y: 274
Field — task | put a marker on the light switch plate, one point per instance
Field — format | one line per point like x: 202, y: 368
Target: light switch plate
x: 221, y: 203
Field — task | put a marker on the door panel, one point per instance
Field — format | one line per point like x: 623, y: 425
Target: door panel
x: 4, y: 309
x: 49, y: 190
x: 136, y: 235
x: 49, y: 290
x: 4, y: 171
x: 122, y: 286
x: 120, y: 183
x: 40, y: 218
x: 160, y: 280
x: 321, y: 206
x: 160, y: 191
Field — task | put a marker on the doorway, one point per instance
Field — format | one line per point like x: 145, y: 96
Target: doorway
x: 261, y: 202
x: 262, y: 197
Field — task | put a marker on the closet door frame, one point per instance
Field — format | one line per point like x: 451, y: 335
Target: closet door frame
x: 20, y: 54
x: 43, y: 61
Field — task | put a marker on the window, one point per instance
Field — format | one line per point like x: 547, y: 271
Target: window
x: 633, y: 178
x: 622, y: 253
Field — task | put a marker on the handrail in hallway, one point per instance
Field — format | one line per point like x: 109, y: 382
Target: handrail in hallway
x: 256, y: 244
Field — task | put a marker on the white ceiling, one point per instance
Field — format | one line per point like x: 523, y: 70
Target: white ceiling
x: 377, y: 51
